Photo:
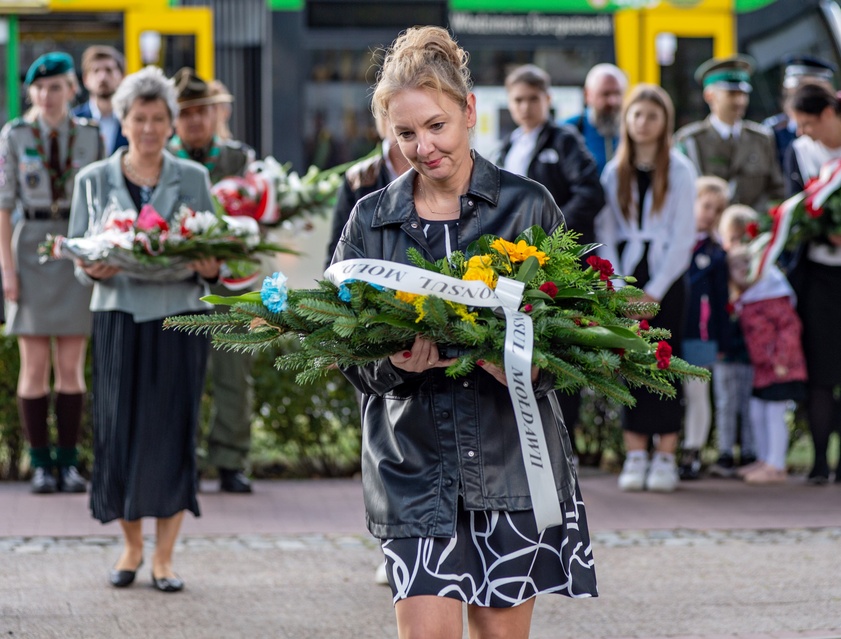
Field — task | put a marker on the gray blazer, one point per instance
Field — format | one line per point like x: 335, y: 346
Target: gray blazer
x: 181, y: 182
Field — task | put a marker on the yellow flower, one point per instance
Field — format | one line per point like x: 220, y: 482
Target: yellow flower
x: 518, y: 252
x: 418, y: 304
x: 463, y: 313
x: 479, y: 268
x: 409, y: 298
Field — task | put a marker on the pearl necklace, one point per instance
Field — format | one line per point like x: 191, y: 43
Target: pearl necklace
x: 138, y: 179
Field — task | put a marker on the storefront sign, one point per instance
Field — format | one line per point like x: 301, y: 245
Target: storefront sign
x: 531, y: 24
x: 23, y: 6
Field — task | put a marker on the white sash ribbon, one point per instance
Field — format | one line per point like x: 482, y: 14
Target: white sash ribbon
x: 519, y: 342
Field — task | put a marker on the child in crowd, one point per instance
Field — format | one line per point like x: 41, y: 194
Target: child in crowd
x: 732, y: 378
x: 772, y: 332
x: 706, y: 318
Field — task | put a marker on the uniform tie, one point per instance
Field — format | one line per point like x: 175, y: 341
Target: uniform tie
x: 55, y: 163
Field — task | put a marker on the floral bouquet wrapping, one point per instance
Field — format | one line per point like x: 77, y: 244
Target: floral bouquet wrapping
x: 583, y: 331
x: 146, y: 247
x: 273, y: 195
x: 813, y: 214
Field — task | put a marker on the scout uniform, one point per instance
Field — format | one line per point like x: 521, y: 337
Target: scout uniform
x: 229, y: 434
x: 37, y: 167
x: 747, y: 159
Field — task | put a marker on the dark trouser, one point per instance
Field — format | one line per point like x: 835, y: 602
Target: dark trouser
x: 229, y: 434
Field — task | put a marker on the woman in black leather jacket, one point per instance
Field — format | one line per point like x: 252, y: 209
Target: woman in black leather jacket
x: 444, y: 481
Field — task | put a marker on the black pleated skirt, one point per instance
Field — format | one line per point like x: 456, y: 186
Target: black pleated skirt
x: 653, y: 414
x: 819, y: 306
x: 497, y: 559
x: 147, y: 387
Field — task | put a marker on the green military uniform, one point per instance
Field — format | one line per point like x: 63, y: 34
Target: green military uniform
x: 749, y: 162
x: 229, y: 435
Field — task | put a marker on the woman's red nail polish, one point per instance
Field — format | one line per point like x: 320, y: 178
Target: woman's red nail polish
x: 407, y: 354
x: 480, y: 362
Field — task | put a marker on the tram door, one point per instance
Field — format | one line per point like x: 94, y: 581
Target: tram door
x: 665, y: 45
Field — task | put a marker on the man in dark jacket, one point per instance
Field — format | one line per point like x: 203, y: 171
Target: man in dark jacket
x: 103, y: 68
x: 557, y: 157
x: 553, y: 155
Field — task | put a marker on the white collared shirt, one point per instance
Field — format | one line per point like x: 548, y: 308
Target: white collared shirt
x: 109, y: 125
x: 521, y: 152
x: 725, y: 130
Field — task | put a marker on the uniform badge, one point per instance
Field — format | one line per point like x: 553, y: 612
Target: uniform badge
x: 702, y: 261
x: 33, y: 180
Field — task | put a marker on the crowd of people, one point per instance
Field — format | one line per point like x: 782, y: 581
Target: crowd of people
x: 445, y: 491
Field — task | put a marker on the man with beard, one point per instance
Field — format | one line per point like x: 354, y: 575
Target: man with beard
x: 741, y: 152
x: 197, y: 139
x: 604, y: 89
x: 103, y: 68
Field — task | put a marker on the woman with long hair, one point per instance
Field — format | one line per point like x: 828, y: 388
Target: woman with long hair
x: 647, y: 230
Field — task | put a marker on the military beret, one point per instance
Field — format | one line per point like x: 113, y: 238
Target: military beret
x: 799, y: 67
x: 731, y: 73
x: 48, y: 65
x: 191, y: 90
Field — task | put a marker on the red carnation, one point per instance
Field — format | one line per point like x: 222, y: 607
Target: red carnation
x: 527, y: 308
x: 550, y: 289
x: 752, y: 229
x: 644, y: 325
x: 663, y: 355
x: 604, y: 267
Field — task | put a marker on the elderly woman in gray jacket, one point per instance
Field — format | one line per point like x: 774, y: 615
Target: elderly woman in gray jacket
x: 147, y: 382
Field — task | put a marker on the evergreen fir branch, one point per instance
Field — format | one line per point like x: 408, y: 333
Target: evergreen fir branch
x: 203, y: 324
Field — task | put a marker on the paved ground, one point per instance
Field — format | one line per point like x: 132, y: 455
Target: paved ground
x: 715, y: 559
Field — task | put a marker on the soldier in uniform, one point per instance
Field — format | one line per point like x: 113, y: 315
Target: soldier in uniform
x: 40, y: 155
x: 798, y: 69
x: 196, y: 138
x: 741, y: 152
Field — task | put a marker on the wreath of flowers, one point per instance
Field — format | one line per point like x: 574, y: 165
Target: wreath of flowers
x: 585, y: 333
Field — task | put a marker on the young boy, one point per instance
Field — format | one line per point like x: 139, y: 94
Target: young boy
x: 706, y: 318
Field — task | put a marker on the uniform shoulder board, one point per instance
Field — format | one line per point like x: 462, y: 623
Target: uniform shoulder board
x: 87, y: 122
x: 364, y: 173
x: 755, y: 127
x: 776, y: 121
x: 691, y: 129
x: 238, y: 147
x: 17, y: 123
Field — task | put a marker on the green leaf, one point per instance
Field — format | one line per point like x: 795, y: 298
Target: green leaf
x: 225, y: 300
x: 609, y: 337
x: 528, y: 269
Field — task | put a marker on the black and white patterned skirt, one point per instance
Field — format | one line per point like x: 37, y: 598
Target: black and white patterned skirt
x: 496, y: 559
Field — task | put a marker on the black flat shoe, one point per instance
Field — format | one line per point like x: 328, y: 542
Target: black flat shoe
x: 123, y: 578
x: 233, y: 481
x: 167, y: 584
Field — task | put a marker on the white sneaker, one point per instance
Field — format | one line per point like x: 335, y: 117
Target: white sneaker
x: 380, y: 577
x: 662, y: 476
x: 632, y: 477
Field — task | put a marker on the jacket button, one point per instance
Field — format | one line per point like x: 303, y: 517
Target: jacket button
x: 414, y: 225
x: 470, y: 203
x: 448, y: 482
x: 466, y: 384
x: 471, y: 453
x: 445, y: 414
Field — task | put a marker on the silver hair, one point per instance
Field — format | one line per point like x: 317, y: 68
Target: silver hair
x: 600, y: 70
x: 148, y: 84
